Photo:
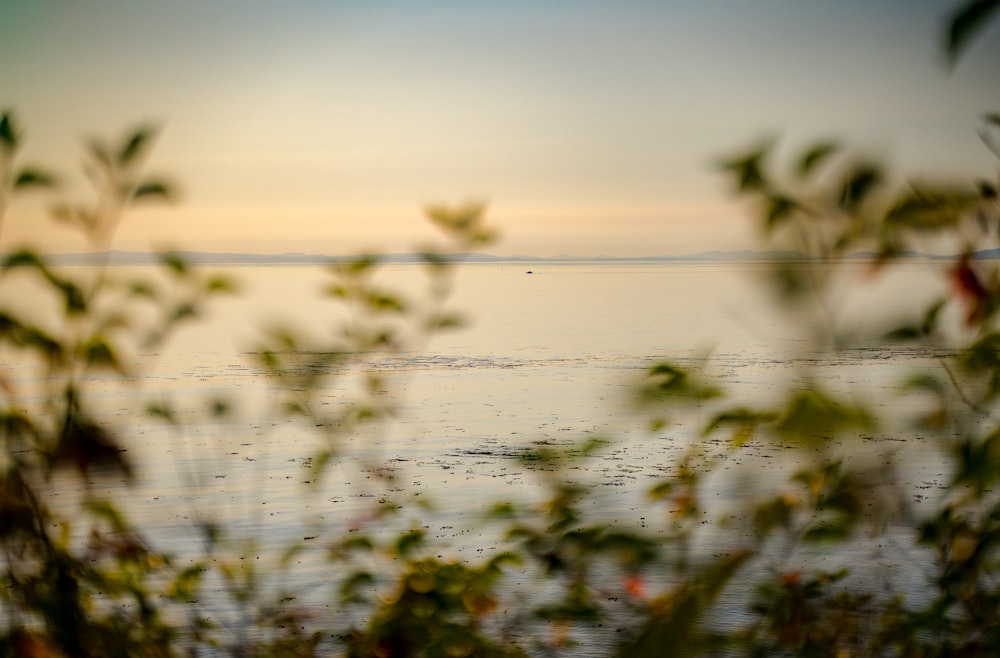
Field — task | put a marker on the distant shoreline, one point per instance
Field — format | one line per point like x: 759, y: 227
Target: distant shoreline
x: 116, y: 257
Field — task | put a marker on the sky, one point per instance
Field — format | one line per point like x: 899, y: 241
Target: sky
x: 588, y: 128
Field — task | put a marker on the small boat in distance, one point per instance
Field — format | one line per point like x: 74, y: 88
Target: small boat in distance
x: 529, y: 272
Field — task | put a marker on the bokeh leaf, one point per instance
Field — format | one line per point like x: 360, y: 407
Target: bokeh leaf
x: 860, y: 182
x: 33, y: 178
x: 924, y: 208
x: 135, y: 145
x: 153, y: 190
x: 748, y: 169
x: 88, y: 447
x: 812, y: 414
x: 23, y: 258
x: 815, y: 156
x: 779, y: 208
x: 9, y: 137
x: 964, y: 23
x: 175, y: 262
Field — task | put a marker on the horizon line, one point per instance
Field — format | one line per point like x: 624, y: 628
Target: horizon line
x: 127, y: 257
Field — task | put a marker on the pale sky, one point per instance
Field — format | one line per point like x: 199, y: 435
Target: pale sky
x: 590, y: 128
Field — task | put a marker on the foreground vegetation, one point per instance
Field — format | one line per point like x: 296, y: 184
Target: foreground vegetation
x: 86, y: 581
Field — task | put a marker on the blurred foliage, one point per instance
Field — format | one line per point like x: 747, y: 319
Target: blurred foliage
x: 687, y: 578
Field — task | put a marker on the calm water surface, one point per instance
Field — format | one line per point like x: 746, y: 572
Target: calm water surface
x: 548, y: 358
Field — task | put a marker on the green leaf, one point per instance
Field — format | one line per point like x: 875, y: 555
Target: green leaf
x: 33, y: 178
x: 153, y: 189
x: 463, y: 223
x: 460, y: 218
x: 319, y: 464
x: 779, y: 208
x: 673, y: 627
x: 862, y: 181
x: 23, y: 259
x: 442, y: 321
x: 384, y: 302
x: 358, y: 543
x: 965, y: 23
x: 435, y: 259
x: 183, y: 311
x: 87, y: 446
x: 143, y: 289
x: 982, y: 358
x: 10, y: 326
x: 355, y: 266
x: 175, y: 262
x: 812, y: 414
x: 832, y: 531
x: 185, y: 586
x: 629, y: 548
x: 337, y: 290
x: 983, y: 355
x: 136, y: 145
x: 97, y: 352
x: 987, y: 190
x: 73, y: 296
x: 931, y: 317
x: 669, y: 381
x: 930, y: 209
x: 408, y: 542
x: 500, y: 560
x: 662, y: 490
x: 744, y: 422
x: 9, y: 137
x: 220, y: 284
x: 219, y: 408
x: 162, y: 411
x: 904, y: 333
x: 775, y: 513
x: 814, y: 156
x: 748, y: 169
x: 18, y: 428
x: 107, y: 511
x: 925, y: 382
x: 99, y: 151
x: 357, y: 580
x: 977, y: 462
x: 48, y: 347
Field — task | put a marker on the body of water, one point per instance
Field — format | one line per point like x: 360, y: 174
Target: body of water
x: 547, y: 359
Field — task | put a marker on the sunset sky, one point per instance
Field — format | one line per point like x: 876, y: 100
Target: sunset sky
x: 590, y: 128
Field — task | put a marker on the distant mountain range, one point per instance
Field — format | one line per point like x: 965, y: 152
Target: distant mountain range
x: 117, y: 257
